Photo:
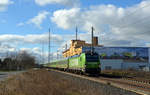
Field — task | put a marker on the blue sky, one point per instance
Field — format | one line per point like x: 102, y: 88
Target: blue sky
x: 25, y: 23
x: 119, y: 3
x: 23, y: 10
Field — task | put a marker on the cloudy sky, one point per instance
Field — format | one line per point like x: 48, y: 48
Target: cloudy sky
x: 24, y: 24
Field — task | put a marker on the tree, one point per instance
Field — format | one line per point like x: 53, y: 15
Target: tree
x: 128, y: 54
x: 7, y: 64
x: 115, y: 55
x: 22, y: 61
x: 103, y: 55
x: 26, y: 61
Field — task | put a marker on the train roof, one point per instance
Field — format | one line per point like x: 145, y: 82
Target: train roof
x: 59, y: 60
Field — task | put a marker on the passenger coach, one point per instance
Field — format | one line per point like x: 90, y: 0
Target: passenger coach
x: 85, y: 63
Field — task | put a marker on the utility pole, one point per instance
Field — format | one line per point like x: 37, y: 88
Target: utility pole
x: 43, y: 52
x: 66, y: 46
x: 57, y: 54
x: 49, y: 47
x: 76, y: 33
x: 92, y: 48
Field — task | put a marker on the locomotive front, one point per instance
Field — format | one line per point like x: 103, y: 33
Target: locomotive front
x: 92, y: 64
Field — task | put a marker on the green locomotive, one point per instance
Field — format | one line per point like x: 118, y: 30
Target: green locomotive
x: 85, y: 63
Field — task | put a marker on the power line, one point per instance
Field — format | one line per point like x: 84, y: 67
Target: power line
x: 136, y: 10
x: 58, y: 41
x: 134, y: 22
x: 55, y: 46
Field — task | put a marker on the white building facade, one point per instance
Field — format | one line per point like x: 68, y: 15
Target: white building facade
x: 123, y: 57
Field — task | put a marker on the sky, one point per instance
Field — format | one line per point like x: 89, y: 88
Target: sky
x: 24, y: 24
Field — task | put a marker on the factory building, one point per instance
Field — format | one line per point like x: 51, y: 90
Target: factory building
x: 123, y: 57
x: 113, y: 57
x: 76, y: 47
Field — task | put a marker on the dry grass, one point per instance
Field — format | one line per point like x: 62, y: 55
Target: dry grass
x: 43, y: 82
x: 40, y: 82
x: 141, y: 75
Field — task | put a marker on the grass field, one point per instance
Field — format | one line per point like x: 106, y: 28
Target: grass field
x: 43, y: 82
x: 40, y: 82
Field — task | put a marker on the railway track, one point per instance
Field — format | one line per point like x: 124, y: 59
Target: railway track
x: 126, y: 84
x: 138, y: 81
x: 129, y: 85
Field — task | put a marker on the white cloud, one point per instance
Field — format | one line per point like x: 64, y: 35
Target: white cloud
x: 96, y: 15
x: 3, y: 21
x: 10, y: 38
x: 29, y: 39
x: 4, y: 4
x: 20, y: 24
x: 114, y: 26
x: 67, y: 18
x: 70, y: 3
x: 30, y: 43
x: 6, y: 48
x: 37, y: 50
x: 38, y: 20
x: 9, y: 51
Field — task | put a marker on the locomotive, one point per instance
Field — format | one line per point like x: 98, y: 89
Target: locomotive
x: 83, y: 63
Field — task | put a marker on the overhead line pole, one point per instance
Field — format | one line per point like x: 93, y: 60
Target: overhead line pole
x: 43, y: 53
x: 66, y: 47
x: 49, y: 47
x: 57, y: 55
x: 92, y: 48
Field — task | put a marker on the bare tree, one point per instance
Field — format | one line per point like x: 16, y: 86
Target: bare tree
x: 25, y: 60
x: 21, y: 61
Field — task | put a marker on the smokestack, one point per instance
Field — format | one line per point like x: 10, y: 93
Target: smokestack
x: 66, y: 46
x: 95, y: 41
x: 76, y: 33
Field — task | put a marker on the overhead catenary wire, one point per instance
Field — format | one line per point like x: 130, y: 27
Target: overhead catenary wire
x: 136, y: 22
x: 136, y: 10
x: 123, y: 18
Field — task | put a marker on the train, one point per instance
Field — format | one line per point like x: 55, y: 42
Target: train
x: 84, y: 63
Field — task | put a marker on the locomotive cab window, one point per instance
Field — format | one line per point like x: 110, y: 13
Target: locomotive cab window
x: 92, y: 58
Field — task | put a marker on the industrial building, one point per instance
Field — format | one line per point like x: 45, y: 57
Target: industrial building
x: 76, y: 47
x: 123, y: 57
x: 113, y: 57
